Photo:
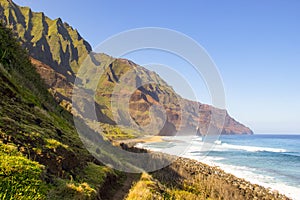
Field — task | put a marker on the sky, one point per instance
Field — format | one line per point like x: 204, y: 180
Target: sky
x: 254, y: 44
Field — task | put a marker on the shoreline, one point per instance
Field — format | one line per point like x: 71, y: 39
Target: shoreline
x: 134, y: 141
x: 274, y: 188
x: 195, y: 167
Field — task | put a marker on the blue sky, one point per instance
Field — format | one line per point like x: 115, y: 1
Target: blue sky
x: 255, y: 45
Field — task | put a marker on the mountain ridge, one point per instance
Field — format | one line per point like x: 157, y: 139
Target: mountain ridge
x: 36, y: 31
x: 60, y: 47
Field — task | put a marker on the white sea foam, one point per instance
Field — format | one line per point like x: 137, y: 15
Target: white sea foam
x: 250, y: 175
x: 139, y: 145
x: 252, y: 148
x: 219, y: 145
x: 218, y: 142
x: 194, y: 152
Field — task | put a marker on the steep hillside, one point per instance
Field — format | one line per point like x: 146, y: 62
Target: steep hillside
x: 58, y: 46
x: 40, y: 151
x: 183, y: 116
x: 55, y: 43
x: 123, y: 80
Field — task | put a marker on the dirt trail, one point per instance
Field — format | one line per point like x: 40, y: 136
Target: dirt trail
x: 122, y: 192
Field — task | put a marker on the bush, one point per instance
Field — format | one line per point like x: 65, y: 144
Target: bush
x: 71, y: 190
x: 20, y: 178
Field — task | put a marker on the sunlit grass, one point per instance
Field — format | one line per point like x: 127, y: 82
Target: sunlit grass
x: 20, y: 178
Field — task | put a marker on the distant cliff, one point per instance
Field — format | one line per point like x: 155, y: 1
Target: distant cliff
x: 58, y: 50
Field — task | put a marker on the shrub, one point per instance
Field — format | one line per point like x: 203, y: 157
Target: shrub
x: 20, y: 178
x: 71, y: 190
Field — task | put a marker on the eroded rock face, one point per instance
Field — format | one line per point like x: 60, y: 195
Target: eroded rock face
x: 51, y: 41
x: 50, y: 76
x: 147, y: 94
x: 58, y: 50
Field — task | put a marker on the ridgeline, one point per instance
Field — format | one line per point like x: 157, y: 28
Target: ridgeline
x: 61, y: 50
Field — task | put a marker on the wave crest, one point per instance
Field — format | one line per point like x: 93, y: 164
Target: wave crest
x: 253, y: 148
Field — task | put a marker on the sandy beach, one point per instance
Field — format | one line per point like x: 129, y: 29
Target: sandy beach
x: 145, y: 139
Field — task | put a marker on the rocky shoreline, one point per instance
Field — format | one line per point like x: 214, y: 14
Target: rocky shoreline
x: 212, y: 181
x: 191, y: 169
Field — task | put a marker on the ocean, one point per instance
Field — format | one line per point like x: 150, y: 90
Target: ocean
x: 272, y: 161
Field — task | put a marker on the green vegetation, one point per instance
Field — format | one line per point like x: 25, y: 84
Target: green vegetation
x: 112, y: 132
x: 53, y: 144
x: 95, y: 174
x: 20, y: 178
x: 34, y: 27
x: 71, y: 190
x: 43, y: 157
x: 149, y: 188
x: 85, y: 186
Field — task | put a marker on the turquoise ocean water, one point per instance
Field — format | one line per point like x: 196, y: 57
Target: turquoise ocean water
x: 269, y: 160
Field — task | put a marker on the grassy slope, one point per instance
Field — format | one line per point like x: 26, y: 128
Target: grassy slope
x: 150, y: 188
x: 44, y: 155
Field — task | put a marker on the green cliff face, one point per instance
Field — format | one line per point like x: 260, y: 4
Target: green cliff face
x: 61, y: 50
x: 41, y: 154
x: 51, y: 41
